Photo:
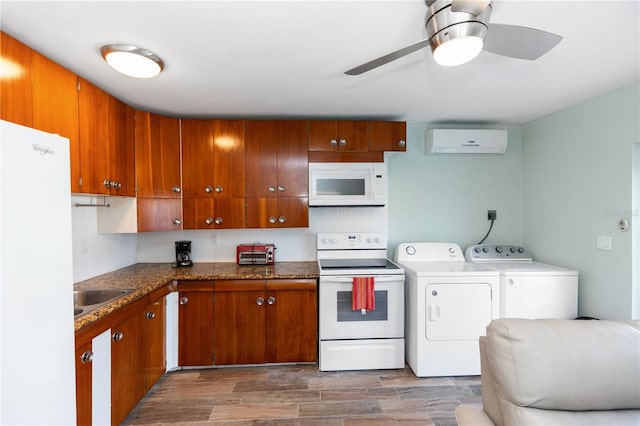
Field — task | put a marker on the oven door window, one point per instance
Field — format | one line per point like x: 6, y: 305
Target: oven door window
x: 345, y: 313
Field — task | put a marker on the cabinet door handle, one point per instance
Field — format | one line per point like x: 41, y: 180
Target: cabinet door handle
x: 218, y: 220
x: 184, y: 300
x: 402, y: 143
x: 208, y: 189
x: 177, y: 221
x: 117, y: 336
x: 106, y: 183
x: 342, y: 142
x: 272, y: 219
x: 176, y: 189
x: 333, y: 142
x: 260, y: 301
x: 281, y: 188
x: 282, y: 219
x: 115, y: 184
x: 208, y: 220
x: 271, y: 300
x: 150, y: 315
x: 272, y: 188
x: 218, y: 189
x: 86, y: 357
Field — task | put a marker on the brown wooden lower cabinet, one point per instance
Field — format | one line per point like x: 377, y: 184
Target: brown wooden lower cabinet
x: 138, y: 348
x: 83, y: 383
x: 195, y: 323
x: 265, y: 321
x: 154, y: 362
x: 127, y: 382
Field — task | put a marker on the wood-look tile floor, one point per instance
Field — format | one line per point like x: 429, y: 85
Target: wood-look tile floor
x: 302, y: 395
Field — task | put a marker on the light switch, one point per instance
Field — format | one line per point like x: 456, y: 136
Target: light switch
x: 604, y: 243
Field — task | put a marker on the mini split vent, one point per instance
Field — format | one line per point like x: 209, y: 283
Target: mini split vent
x: 466, y: 141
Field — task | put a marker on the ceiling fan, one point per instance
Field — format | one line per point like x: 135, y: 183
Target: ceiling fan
x: 457, y: 30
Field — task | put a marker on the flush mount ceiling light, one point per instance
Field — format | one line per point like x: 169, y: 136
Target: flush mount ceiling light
x: 132, y: 60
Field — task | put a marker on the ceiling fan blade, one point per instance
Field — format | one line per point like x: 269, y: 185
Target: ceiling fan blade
x: 388, y: 58
x: 475, y: 7
x: 519, y: 42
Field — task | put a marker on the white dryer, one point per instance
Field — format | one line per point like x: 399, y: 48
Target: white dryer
x: 448, y: 304
x: 528, y: 289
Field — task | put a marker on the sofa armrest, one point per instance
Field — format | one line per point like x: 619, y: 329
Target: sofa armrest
x: 472, y: 416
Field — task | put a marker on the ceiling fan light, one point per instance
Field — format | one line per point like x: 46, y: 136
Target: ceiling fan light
x: 132, y: 61
x: 458, y: 51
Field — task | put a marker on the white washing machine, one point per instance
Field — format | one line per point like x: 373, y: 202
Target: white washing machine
x: 448, y: 305
x: 528, y: 289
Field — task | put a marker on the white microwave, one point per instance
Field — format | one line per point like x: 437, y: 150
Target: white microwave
x: 347, y: 184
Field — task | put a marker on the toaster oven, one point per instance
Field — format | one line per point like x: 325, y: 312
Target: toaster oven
x: 255, y: 254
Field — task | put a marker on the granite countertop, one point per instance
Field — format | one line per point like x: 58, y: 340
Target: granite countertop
x: 144, y: 278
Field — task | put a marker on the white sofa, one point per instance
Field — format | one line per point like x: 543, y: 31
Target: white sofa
x: 558, y: 372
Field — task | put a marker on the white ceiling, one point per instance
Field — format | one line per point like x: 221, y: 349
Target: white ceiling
x: 287, y: 59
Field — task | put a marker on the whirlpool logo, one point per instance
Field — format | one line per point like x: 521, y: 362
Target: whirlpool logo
x: 43, y: 150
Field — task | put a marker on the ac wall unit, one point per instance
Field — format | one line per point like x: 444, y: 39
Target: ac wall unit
x: 466, y: 141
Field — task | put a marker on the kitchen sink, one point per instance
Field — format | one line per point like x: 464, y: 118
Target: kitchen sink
x: 85, y: 300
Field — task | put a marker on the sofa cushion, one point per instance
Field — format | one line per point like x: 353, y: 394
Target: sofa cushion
x: 565, y: 365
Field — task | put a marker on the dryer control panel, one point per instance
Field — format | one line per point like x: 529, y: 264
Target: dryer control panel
x: 497, y: 252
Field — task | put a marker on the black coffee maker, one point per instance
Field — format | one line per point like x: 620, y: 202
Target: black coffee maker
x: 183, y: 254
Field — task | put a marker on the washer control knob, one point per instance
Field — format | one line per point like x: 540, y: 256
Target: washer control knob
x: 411, y: 250
x: 452, y: 250
x: 512, y: 249
x: 485, y: 250
x: 520, y: 250
x: 476, y: 249
x: 499, y: 249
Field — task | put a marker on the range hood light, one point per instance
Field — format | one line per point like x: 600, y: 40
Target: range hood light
x: 132, y: 60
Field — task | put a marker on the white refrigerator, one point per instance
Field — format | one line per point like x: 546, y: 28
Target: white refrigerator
x: 37, y: 367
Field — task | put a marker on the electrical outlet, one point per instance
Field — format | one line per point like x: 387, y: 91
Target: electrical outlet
x: 214, y: 239
x: 492, y: 215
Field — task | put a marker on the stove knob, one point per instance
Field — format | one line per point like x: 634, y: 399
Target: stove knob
x: 485, y: 250
x: 499, y: 249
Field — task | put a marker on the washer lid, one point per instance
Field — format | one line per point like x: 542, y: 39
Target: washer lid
x: 527, y: 268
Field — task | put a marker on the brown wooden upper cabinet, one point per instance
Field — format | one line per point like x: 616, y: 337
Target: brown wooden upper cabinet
x: 338, y: 135
x: 387, y: 136
x: 277, y: 173
x: 107, y: 143
x: 158, y: 179
x: 213, y: 158
x: 213, y: 173
x: 15, y: 83
x: 157, y: 156
x: 55, y: 106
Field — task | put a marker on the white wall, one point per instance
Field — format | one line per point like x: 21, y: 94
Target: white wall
x: 93, y: 253
x: 577, y: 175
x: 446, y: 197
